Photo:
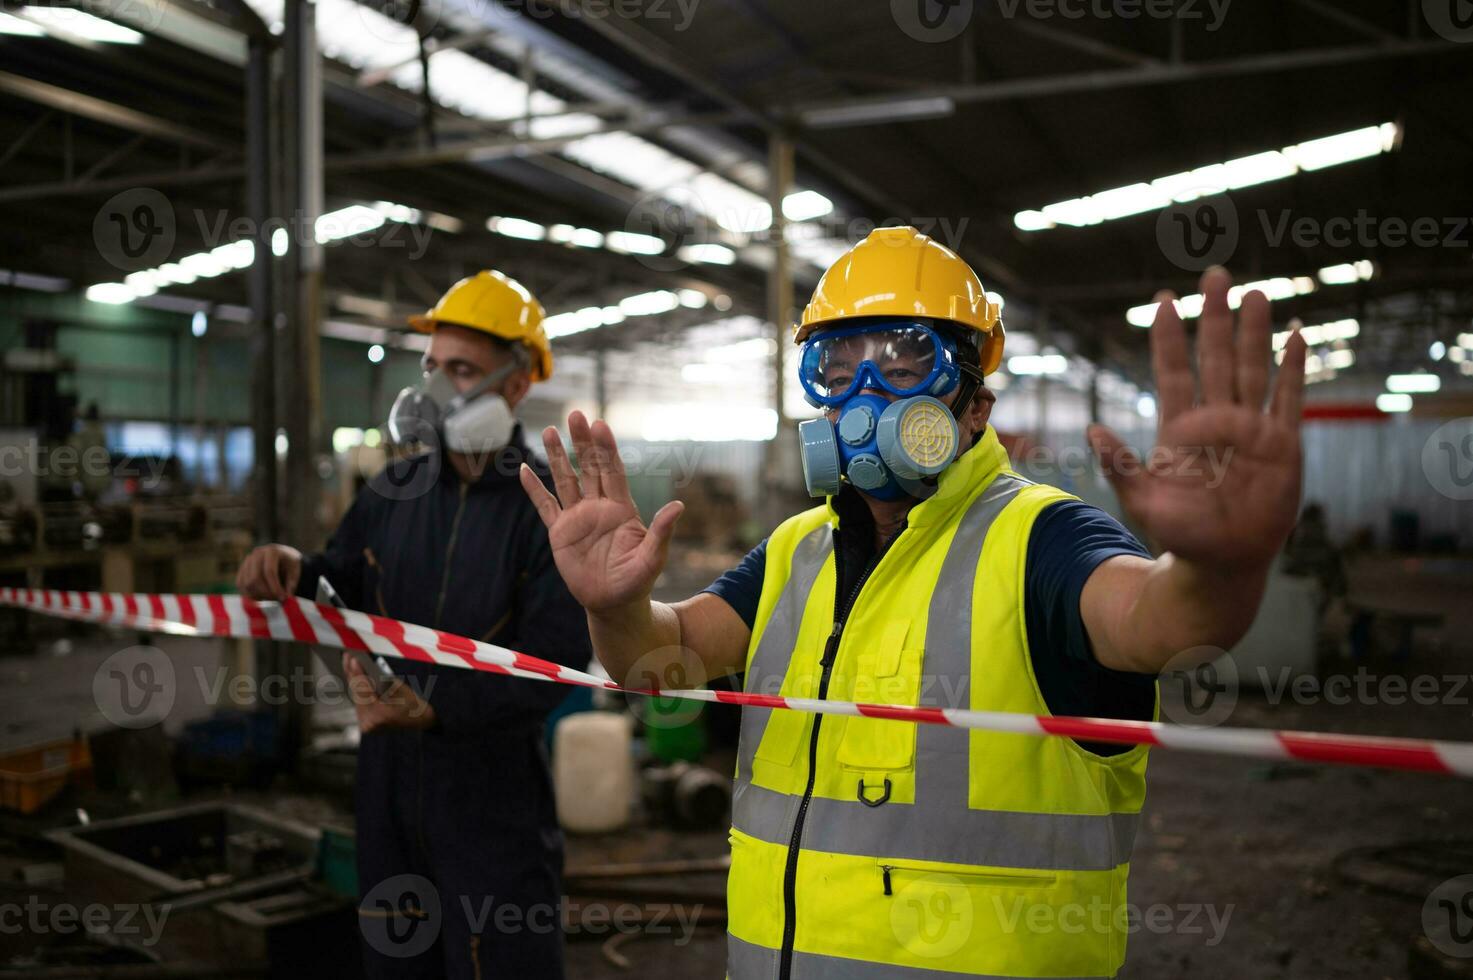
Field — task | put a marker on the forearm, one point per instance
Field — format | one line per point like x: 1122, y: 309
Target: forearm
x: 1171, y: 612
x: 639, y: 645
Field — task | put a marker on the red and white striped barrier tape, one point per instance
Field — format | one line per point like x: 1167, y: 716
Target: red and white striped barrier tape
x: 307, y: 622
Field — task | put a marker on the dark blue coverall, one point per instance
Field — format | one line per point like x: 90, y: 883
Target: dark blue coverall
x: 467, y: 805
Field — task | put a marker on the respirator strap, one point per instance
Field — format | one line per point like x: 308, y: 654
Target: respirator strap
x: 486, y: 384
x: 967, y: 388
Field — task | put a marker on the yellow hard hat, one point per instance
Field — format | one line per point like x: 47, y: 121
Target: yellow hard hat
x: 496, y: 304
x: 900, y: 272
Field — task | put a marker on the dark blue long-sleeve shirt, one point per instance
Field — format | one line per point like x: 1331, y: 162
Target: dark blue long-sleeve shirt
x: 472, y: 559
x: 467, y: 804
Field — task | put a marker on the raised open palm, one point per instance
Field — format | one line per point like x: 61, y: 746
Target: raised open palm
x: 1222, y: 482
x: 603, y: 550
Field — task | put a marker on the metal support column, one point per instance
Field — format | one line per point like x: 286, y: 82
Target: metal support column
x: 299, y: 347
x: 263, y: 309
x: 301, y: 358
x: 779, y: 313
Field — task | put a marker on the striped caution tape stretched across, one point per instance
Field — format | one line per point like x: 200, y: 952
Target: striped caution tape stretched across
x: 304, y: 621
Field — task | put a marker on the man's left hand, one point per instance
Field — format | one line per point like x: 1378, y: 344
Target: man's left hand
x: 398, y: 708
x: 1221, y: 486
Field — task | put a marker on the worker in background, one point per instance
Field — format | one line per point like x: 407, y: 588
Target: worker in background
x: 934, y: 575
x: 88, y: 468
x: 453, y: 783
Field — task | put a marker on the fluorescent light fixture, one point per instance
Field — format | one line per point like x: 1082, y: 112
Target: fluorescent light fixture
x: 648, y: 304
x: 706, y: 252
x: 376, y: 353
x: 1145, y: 406
x: 203, y: 265
x: 345, y: 438
x: 80, y: 24
x: 1458, y: 355
x: 806, y: 205
x: 280, y: 242
x: 173, y: 272
x: 563, y: 324
x: 1032, y: 364
x: 10, y: 24
x: 141, y: 283
x: 1394, y: 403
x: 634, y: 243
x: 1190, y: 306
x: 873, y: 113
x: 345, y: 223
x: 1032, y: 221
x: 236, y: 255
x: 640, y: 304
x: 397, y: 212
x: 1331, y: 151
x: 1347, y: 272
x: 112, y: 293
x: 1322, y: 333
x: 1259, y: 168
x: 569, y: 235
x: 440, y: 222
x: 1406, y: 384
x: 199, y: 323
x: 1437, y: 351
x: 1465, y: 340
x: 1339, y: 360
x: 529, y: 231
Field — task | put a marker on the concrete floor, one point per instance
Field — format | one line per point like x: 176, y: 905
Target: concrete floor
x: 1256, y: 843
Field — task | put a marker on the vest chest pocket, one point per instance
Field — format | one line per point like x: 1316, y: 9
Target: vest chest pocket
x: 887, y: 672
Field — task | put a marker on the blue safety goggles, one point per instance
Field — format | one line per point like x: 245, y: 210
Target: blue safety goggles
x: 900, y: 356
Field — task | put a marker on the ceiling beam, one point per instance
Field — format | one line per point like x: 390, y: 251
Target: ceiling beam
x: 1077, y: 42
x: 467, y: 151
x: 1156, y: 74
x: 653, y: 51
x: 1347, y: 20
x: 91, y: 107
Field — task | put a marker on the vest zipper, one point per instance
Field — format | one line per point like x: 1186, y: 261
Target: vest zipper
x: 450, y: 550
x: 842, y: 607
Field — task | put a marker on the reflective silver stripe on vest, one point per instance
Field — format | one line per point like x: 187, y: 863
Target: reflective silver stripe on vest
x: 940, y: 826
x: 745, y: 961
x: 925, y: 832
x: 769, y: 664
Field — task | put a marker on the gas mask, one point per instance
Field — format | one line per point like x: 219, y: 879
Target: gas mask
x: 477, y: 421
x: 888, y: 449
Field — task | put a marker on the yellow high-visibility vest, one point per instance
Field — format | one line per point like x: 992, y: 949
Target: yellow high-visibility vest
x: 873, y: 848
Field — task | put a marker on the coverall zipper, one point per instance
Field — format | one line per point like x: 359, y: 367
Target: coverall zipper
x: 439, y: 609
x: 842, y: 608
x: 449, y: 551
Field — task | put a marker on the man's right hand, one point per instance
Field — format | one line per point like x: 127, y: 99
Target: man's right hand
x: 606, y: 555
x: 270, y: 572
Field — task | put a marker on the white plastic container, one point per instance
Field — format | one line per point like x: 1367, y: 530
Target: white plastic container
x: 593, y: 772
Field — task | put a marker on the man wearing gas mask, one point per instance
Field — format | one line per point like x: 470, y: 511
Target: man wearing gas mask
x: 934, y: 575
x: 456, y: 825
